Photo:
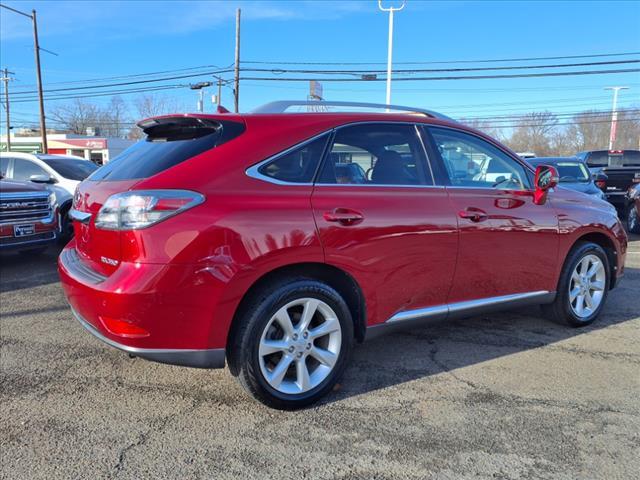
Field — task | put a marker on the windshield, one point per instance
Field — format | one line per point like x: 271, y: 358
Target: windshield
x: 572, y: 172
x: 71, y: 168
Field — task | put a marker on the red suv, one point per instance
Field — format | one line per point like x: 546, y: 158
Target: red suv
x: 274, y: 240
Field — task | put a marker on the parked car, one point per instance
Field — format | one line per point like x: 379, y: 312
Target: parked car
x: 622, y: 168
x: 575, y: 174
x: 28, y: 217
x: 632, y: 209
x: 245, y: 238
x: 63, y: 173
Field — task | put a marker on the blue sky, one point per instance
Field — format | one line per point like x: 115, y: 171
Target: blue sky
x: 111, y: 38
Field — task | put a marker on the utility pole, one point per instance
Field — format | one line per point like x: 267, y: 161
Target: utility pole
x: 390, y: 45
x: 219, y: 91
x: 236, y: 86
x: 34, y: 21
x: 614, y: 114
x: 43, y: 127
x: 5, y: 78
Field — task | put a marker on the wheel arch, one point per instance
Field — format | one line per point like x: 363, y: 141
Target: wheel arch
x: 336, y: 278
x: 607, y: 244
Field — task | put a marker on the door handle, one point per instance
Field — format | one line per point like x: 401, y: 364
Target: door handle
x: 473, y: 214
x: 343, y: 216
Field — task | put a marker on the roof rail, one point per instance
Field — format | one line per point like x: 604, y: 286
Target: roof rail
x: 282, y: 105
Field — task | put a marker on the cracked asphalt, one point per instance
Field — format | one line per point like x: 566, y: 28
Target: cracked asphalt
x: 508, y: 396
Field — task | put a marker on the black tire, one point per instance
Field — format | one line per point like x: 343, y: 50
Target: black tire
x: 633, y: 220
x: 560, y: 310
x: 66, y: 228
x: 243, y: 355
x: 33, y: 251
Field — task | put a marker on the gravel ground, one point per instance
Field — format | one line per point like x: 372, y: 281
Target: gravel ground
x: 510, y: 395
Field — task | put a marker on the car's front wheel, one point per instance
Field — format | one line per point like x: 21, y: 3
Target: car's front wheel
x: 583, y: 286
x: 292, y: 343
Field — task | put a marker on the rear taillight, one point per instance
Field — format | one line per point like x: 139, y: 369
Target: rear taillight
x: 601, y: 184
x: 142, y: 208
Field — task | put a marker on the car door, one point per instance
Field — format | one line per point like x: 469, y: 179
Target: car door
x: 508, y: 244
x: 381, y: 218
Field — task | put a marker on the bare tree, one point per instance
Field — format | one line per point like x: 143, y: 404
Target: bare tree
x: 533, y: 133
x: 76, y: 117
x: 483, y: 126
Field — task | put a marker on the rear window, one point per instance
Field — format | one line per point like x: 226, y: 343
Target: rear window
x: 71, y: 168
x: 604, y: 158
x: 297, y: 165
x: 169, y: 142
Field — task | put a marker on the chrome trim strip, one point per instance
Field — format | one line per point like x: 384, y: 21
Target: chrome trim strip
x: 492, y: 301
x: 465, y: 306
x: 370, y: 185
x: 78, y: 216
x: 15, y: 195
x: 419, y: 313
x: 213, y: 358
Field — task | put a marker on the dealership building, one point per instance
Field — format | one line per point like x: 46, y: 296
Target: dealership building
x: 98, y: 149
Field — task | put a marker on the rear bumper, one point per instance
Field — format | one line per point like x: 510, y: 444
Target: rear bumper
x: 213, y: 358
x: 173, y: 304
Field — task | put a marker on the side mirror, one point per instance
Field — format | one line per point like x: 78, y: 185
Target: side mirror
x: 546, y: 178
x: 42, y: 179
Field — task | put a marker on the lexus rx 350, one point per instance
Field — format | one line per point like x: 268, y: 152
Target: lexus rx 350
x: 273, y: 241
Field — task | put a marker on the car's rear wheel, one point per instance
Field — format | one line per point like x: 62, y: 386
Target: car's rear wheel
x: 583, y: 286
x: 633, y: 222
x: 292, y: 343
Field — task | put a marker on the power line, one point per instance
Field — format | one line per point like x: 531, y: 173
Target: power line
x: 473, y: 77
x: 135, y: 82
x: 438, y: 70
x: 566, y: 57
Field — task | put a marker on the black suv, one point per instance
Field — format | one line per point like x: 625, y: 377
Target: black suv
x: 622, y: 168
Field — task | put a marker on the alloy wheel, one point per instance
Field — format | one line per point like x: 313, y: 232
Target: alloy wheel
x: 300, y: 345
x: 586, y: 287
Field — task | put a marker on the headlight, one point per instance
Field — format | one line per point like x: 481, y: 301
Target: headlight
x: 140, y: 209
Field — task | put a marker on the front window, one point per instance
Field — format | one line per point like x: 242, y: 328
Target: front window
x: 474, y: 163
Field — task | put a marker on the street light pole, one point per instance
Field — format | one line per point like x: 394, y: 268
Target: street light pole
x: 390, y: 44
x: 614, y: 114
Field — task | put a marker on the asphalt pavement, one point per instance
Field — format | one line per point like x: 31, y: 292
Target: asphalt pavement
x: 509, y: 395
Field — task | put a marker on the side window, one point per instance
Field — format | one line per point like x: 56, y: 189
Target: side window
x: 298, y: 165
x: 4, y: 166
x: 23, y: 169
x: 472, y: 162
x: 375, y: 154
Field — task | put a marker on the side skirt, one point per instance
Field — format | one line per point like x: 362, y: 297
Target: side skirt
x: 425, y: 316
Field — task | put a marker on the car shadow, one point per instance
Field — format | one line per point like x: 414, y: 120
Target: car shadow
x: 19, y: 271
x: 447, y: 346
